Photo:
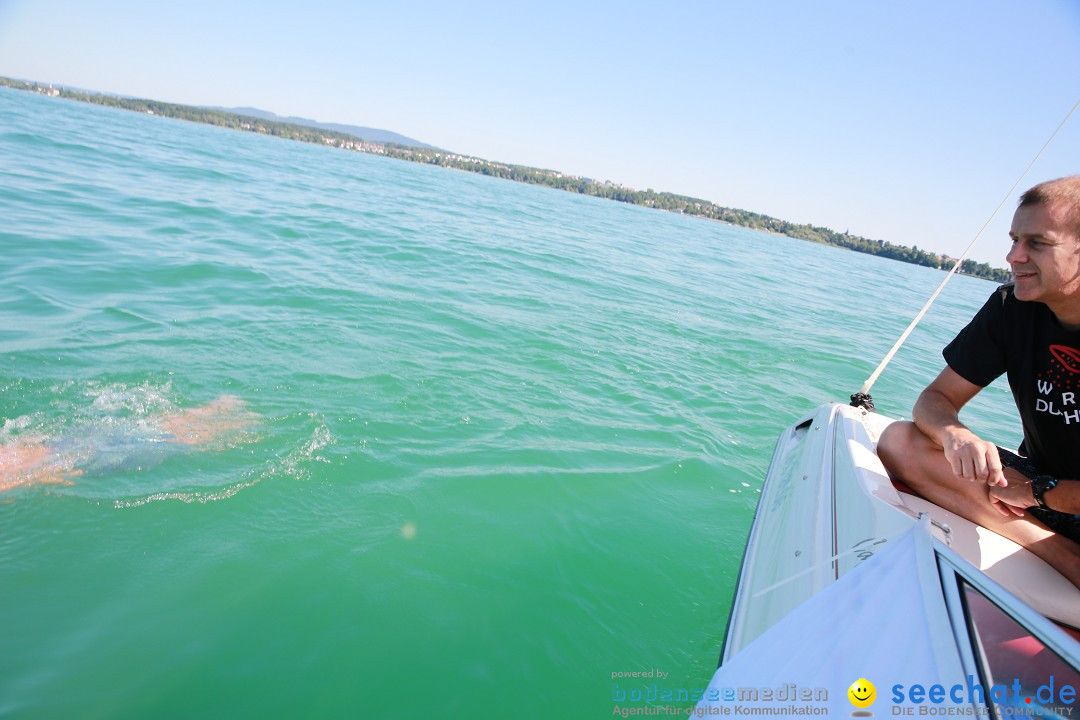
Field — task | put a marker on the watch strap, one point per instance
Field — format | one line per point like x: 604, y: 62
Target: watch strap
x: 1040, y: 485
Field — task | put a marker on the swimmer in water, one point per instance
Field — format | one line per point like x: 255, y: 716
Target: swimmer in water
x: 37, y: 460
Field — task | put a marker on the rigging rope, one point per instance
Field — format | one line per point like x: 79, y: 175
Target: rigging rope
x: 862, y: 398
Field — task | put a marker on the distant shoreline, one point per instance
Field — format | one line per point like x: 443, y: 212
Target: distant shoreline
x: 585, y: 186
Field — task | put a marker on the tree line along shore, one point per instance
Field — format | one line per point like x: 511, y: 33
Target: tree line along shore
x: 520, y: 173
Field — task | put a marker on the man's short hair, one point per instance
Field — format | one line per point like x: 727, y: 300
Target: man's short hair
x: 1065, y: 191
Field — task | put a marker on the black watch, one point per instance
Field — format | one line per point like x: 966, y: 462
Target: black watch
x: 1040, y: 484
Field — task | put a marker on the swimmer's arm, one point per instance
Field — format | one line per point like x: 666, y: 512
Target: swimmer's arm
x: 203, y: 425
x: 30, y: 462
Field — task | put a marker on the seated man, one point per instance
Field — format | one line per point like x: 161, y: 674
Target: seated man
x: 1029, y: 329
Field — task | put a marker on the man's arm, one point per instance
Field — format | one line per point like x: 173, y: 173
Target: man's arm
x: 1065, y: 497
x: 937, y: 415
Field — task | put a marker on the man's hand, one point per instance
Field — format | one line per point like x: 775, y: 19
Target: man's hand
x: 1011, y: 499
x: 973, y: 458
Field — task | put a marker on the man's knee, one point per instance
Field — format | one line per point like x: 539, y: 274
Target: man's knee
x: 904, y: 450
x: 896, y: 442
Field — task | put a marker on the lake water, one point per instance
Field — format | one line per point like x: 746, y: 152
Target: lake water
x: 486, y: 443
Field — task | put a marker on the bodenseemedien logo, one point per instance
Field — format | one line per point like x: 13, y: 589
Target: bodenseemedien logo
x: 862, y: 694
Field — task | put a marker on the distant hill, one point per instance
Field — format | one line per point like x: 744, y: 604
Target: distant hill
x: 364, y: 133
x: 388, y: 144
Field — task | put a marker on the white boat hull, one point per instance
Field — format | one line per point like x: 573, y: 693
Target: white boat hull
x: 827, y: 506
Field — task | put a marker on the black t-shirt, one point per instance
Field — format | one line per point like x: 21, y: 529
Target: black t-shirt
x: 1025, y: 340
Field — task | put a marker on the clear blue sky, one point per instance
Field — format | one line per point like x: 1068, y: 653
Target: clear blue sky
x: 905, y: 121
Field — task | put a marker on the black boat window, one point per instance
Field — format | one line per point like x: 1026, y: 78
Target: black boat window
x: 1020, y: 674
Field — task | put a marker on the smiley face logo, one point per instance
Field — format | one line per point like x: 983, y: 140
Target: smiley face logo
x: 862, y: 693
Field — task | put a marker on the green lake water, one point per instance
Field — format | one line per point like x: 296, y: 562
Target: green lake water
x: 501, y: 442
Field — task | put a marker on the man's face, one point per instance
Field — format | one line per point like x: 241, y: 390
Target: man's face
x: 1045, y: 256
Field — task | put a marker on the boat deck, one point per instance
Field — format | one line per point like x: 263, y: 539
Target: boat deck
x: 1018, y: 570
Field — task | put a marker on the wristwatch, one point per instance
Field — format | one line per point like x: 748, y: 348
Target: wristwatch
x: 1040, y: 484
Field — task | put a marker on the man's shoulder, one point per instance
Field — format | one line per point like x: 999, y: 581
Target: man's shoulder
x: 1004, y: 298
x: 1004, y: 304
x: 1011, y: 320
x: 1006, y: 293
x: 1001, y: 303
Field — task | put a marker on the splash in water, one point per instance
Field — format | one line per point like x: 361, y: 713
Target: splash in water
x: 115, y: 444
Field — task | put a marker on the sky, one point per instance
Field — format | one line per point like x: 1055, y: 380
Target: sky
x: 906, y: 121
